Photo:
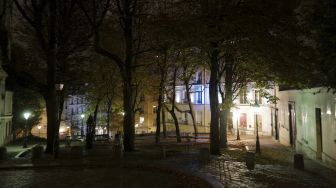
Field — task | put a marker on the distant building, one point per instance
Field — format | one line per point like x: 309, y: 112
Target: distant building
x: 145, y: 119
x: 307, y: 122
x: 74, y: 114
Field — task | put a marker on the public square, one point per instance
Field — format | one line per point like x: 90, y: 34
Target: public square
x: 146, y: 167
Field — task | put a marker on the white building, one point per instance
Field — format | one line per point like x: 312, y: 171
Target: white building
x: 5, y: 110
x: 307, y: 121
x: 245, y: 116
x: 73, y: 119
x: 74, y: 114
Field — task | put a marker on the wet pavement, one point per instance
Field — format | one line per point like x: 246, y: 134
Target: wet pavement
x: 97, y: 168
x: 86, y: 177
x: 235, y: 174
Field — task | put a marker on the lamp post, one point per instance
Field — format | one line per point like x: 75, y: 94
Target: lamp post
x: 82, y: 127
x: 256, y: 111
x: 236, y: 113
x: 26, y: 115
x: 39, y: 128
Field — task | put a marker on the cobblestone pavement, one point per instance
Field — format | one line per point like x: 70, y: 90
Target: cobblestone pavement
x: 235, y: 174
x: 86, y: 177
x: 273, y: 168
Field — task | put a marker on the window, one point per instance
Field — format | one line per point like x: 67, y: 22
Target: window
x: 258, y: 97
x: 243, y: 96
x: 198, y: 95
x: 178, y: 96
x: 142, y: 120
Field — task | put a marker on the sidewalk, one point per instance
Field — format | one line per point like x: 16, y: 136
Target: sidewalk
x: 274, y: 153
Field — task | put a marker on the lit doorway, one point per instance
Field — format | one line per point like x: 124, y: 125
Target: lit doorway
x: 319, y: 148
x: 292, y: 123
x: 276, y: 124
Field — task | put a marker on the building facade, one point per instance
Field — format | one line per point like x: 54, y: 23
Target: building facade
x: 6, y: 115
x: 74, y: 115
x: 307, y: 122
x: 244, y: 115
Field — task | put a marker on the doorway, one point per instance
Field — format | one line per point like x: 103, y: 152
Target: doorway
x: 292, y: 124
x: 276, y: 126
x: 319, y: 148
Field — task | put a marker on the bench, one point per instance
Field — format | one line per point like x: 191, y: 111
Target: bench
x: 165, y: 146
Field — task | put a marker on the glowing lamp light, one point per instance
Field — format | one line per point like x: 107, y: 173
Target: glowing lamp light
x: 39, y: 127
x: 26, y: 115
x: 61, y: 130
x: 82, y: 116
x: 236, y: 113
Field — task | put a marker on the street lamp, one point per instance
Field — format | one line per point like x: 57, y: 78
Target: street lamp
x: 256, y: 111
x: 39, y: 128
x: 82, y: 127
x: 236, y: 113
x: 26, y: 115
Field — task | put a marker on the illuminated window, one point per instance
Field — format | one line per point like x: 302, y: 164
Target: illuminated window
x: 243, y: 96
x: 198, y: 95
x: 178, y: 96
x: 142, y: 120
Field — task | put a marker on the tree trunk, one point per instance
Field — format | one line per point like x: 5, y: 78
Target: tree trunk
x: 158, y: 122
x: 128, y: 125
x: 177, y: 127
x: 50, y: 99
x: 163, y: 112
x: 191, y: 108
x: 223, y: 128
x: 109, y: 114
x: 214, y: 106
x: 95, y: 113
x: 128, y: 91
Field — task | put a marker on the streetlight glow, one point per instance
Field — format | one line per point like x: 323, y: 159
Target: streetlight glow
x: 82, y: 116
x: 26, y: 115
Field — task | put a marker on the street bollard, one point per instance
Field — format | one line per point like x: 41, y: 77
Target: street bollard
x: 298, y: 161
x: 3, y: 153
x: 37, y: 152
x: 250, y: 161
